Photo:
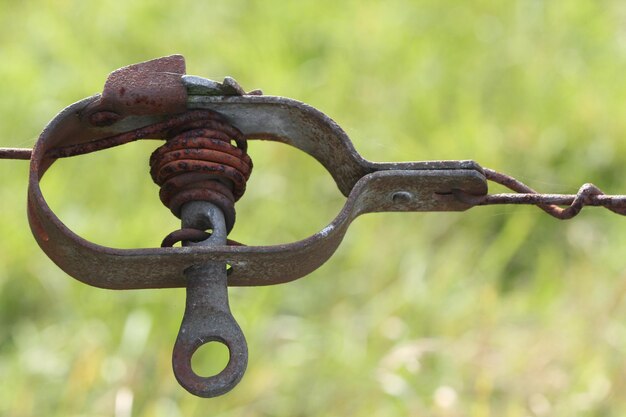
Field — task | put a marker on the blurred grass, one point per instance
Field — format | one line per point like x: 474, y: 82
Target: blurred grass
x: 499, y: 311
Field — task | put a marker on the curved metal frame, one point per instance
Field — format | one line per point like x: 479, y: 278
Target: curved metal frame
x: 369, y: 187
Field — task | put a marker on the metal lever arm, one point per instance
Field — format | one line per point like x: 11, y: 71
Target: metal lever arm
x: 207, y: 313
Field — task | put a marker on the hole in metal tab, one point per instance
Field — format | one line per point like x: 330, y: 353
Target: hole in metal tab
x: 210, y: 359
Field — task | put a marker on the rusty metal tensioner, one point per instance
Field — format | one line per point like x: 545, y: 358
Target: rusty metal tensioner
x: 202, y: 170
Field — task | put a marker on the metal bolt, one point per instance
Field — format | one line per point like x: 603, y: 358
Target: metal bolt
x: 402, y: 197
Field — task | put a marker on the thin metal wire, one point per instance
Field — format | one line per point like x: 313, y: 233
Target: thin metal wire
x: 15, y: 153
x: 588, y: 195
x: 149, y: 131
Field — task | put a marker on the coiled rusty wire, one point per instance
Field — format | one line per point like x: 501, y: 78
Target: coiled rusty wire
x: 199, y: 162
x: 588, y: 195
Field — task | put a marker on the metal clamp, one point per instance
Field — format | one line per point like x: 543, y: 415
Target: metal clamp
x: 151, y: 99
x: 131, y: 104
x: 144, y: 100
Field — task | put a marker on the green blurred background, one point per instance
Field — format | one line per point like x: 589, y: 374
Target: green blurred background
x: 499, y: 311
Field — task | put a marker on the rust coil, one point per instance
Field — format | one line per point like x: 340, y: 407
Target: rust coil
x: 203, y: 160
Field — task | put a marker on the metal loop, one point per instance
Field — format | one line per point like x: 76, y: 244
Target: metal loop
x: 219, y: 327
x: 208, y: 319
x: 184, y: 235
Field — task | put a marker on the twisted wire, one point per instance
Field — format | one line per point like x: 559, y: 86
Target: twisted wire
x: 588, y: 195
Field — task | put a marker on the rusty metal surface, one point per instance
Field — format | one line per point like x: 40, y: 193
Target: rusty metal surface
x: 147, y: 88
